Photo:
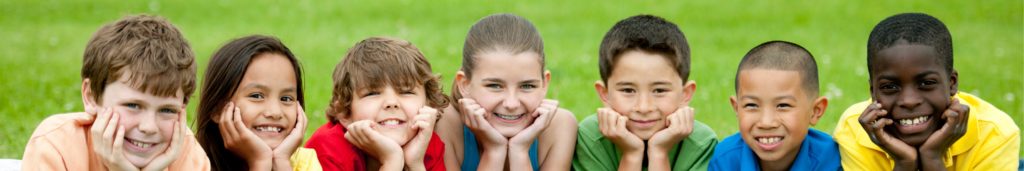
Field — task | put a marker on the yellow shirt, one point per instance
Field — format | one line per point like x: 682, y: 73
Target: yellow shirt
x: 992, y: 140
x: 62, y: 142
x: 304, y: 159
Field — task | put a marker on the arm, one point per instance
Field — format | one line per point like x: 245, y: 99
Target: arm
x: 449, y: 129
x: 42, y: 154
x: 560, y: 140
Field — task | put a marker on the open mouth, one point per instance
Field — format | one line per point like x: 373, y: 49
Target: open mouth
x: 509, y: 117
x: 769, y: 143
x: 137, y: 145
x: 391, y: 123
x: 913, y: 121
x: 913, y: 125
x: 273, y: 129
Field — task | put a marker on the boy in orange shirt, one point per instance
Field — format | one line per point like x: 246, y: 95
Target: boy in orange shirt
x: 137, y: 74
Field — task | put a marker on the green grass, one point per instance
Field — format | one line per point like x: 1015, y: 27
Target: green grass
x: 44, y: 41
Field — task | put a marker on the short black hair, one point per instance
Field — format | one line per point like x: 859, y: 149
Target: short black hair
x: 914, y: 28
x: 782, y: 55
x: 647, y: 33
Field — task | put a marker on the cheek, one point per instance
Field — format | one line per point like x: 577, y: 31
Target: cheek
x: 249, y: 112
x: 412, y: 106
x: 362, y: 110
x: 166, y: 128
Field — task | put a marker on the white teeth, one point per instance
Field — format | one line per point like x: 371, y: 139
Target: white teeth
x: 389, y: 122
x: 769, y: 140
x: 508, y: 117
x: 268, y: 129
x: 140, y: 144
x: 914, y: 121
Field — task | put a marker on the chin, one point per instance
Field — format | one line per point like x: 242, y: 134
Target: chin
x: 509, y: 132
x: 398, y: 136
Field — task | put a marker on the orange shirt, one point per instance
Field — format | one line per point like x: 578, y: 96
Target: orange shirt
x: 61, y: 142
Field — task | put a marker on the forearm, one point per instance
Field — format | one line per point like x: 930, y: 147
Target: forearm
x: 631, y: 161
x: 932, y: 161
x: 282, y: 164
x: 657, y: 160
x: 493, y: 159
x: 905, y: 165
x: 519, y: 158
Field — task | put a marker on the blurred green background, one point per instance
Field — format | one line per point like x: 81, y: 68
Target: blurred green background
x: 44, y: 40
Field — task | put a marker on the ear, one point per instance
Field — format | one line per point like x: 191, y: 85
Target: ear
x: 688, y: 89
x: 547, y: 81
x: 463, y: 82
x: 91, y: 107
x: 820, y: 105
x: 953, y: 81
x: 735, y: 106
x: 602, y: 91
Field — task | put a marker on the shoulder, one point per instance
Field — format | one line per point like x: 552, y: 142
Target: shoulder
x: 449, y: 126
x: 848, y: 125
x: 305, y: 159
x: 63, y: 124
x: 589, y: 129
x: 562, y: 124
x: 702, y: 134
x: 989, y: 118
x: 193, y: 156
x: 729, y: 146
x: 821, y: 145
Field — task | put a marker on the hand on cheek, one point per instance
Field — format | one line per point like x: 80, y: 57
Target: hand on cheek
x: 363, y: 136
x: 475, y: 119
x: 108, y: 140
x: 935, y: 147
x: 543, y: 115
x: 174, y: 150
x: 680, y: 125
x: 423, y: 124
x: 242, y: 141
x: 283, y: 152
x: 873, y: 122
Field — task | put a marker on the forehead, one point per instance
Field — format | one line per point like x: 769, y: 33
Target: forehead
x: 641, y: 67
x: 120, y: 91
x: 770, y: 82
x: 505, y: 65
x: 270, y: 69
x: 905, y: 59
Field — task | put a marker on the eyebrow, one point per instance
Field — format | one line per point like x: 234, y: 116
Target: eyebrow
x: 492, y: 80
x: 918, y: 76
x: 256, y: 85
x: 530, y: 81
x: 661, y: 83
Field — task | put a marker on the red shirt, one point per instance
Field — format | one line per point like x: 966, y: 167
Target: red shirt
x: 337, y: 154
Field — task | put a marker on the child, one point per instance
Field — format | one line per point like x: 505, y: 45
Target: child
x: 250, y: 112
x: 916, y: 118
x: 503, y: 121
x: 137, y: 74
x: 384, y: 105
x: 776, y: 101
x: 646, y: 122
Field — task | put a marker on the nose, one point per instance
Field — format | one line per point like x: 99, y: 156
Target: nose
x: 511, y: 102
x: 147, y: 123
x: 275, y: 112
x: 391, y: 100
x: 909, y: 99
x: 643, y: 105
x: 768, y: 120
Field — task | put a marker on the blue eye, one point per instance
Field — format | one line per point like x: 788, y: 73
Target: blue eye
x: 132, y: 105
x: 493, y: 86
x: 168, y: 111
x: 527, y: 86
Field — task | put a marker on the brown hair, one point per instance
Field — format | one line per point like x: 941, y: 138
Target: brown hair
x: 377, y: 62
x: 647, y: 33
x: 499, y: 32
x: 223, y: 75
x: 148, y: 49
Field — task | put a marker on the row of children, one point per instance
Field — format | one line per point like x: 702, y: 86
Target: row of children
x: 388, y: 112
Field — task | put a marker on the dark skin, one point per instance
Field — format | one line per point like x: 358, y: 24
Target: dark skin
x: 908, y: 82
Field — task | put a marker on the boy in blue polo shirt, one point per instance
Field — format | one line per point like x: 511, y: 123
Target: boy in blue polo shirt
x: 776, y: 102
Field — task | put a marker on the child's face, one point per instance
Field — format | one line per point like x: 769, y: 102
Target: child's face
x: 774, y: 112
x: 392, y: 108
x: 509, y: 87
x: 267, y: 97
x: 645, y: 88
x: 148, y: 120
x: 913, y: 86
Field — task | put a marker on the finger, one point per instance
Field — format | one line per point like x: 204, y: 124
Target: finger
x: 118, y: 145
x: 229, y: 126
x: 100, y: 123
x: 110, y: 130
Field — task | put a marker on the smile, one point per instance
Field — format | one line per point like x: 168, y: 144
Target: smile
x: 913, y: 121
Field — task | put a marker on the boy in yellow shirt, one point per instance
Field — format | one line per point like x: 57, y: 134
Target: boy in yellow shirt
x: 137, y: 74
x: 916, y: 118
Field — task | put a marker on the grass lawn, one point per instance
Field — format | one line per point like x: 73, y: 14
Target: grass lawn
x: 44, y: 41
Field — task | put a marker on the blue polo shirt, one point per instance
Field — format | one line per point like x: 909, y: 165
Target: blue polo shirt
x: 817, y: 152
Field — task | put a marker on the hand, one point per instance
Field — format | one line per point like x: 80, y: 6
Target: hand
x: 363, y: 136
x: 935, y: 147
x: 873, y: 123
x: 680, y: 125
x: 423, y: 125
x: 542, y: 115
x: 283, y: 152
x: 174, y: 151
x: 613, y: 127
x: 243, y: 142
x: 108, y: 140
x: 476, y: 119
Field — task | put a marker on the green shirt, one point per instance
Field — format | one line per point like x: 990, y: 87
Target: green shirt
x: 594, y: 152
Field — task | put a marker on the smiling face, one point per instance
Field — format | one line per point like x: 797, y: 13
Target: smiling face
x: 914, y: 87
x: 774, y: 113
x: 267, y: 97
x: 508, y: 86
x: 392, y: 108
x: 148, y: 120
x: 645, y: 88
